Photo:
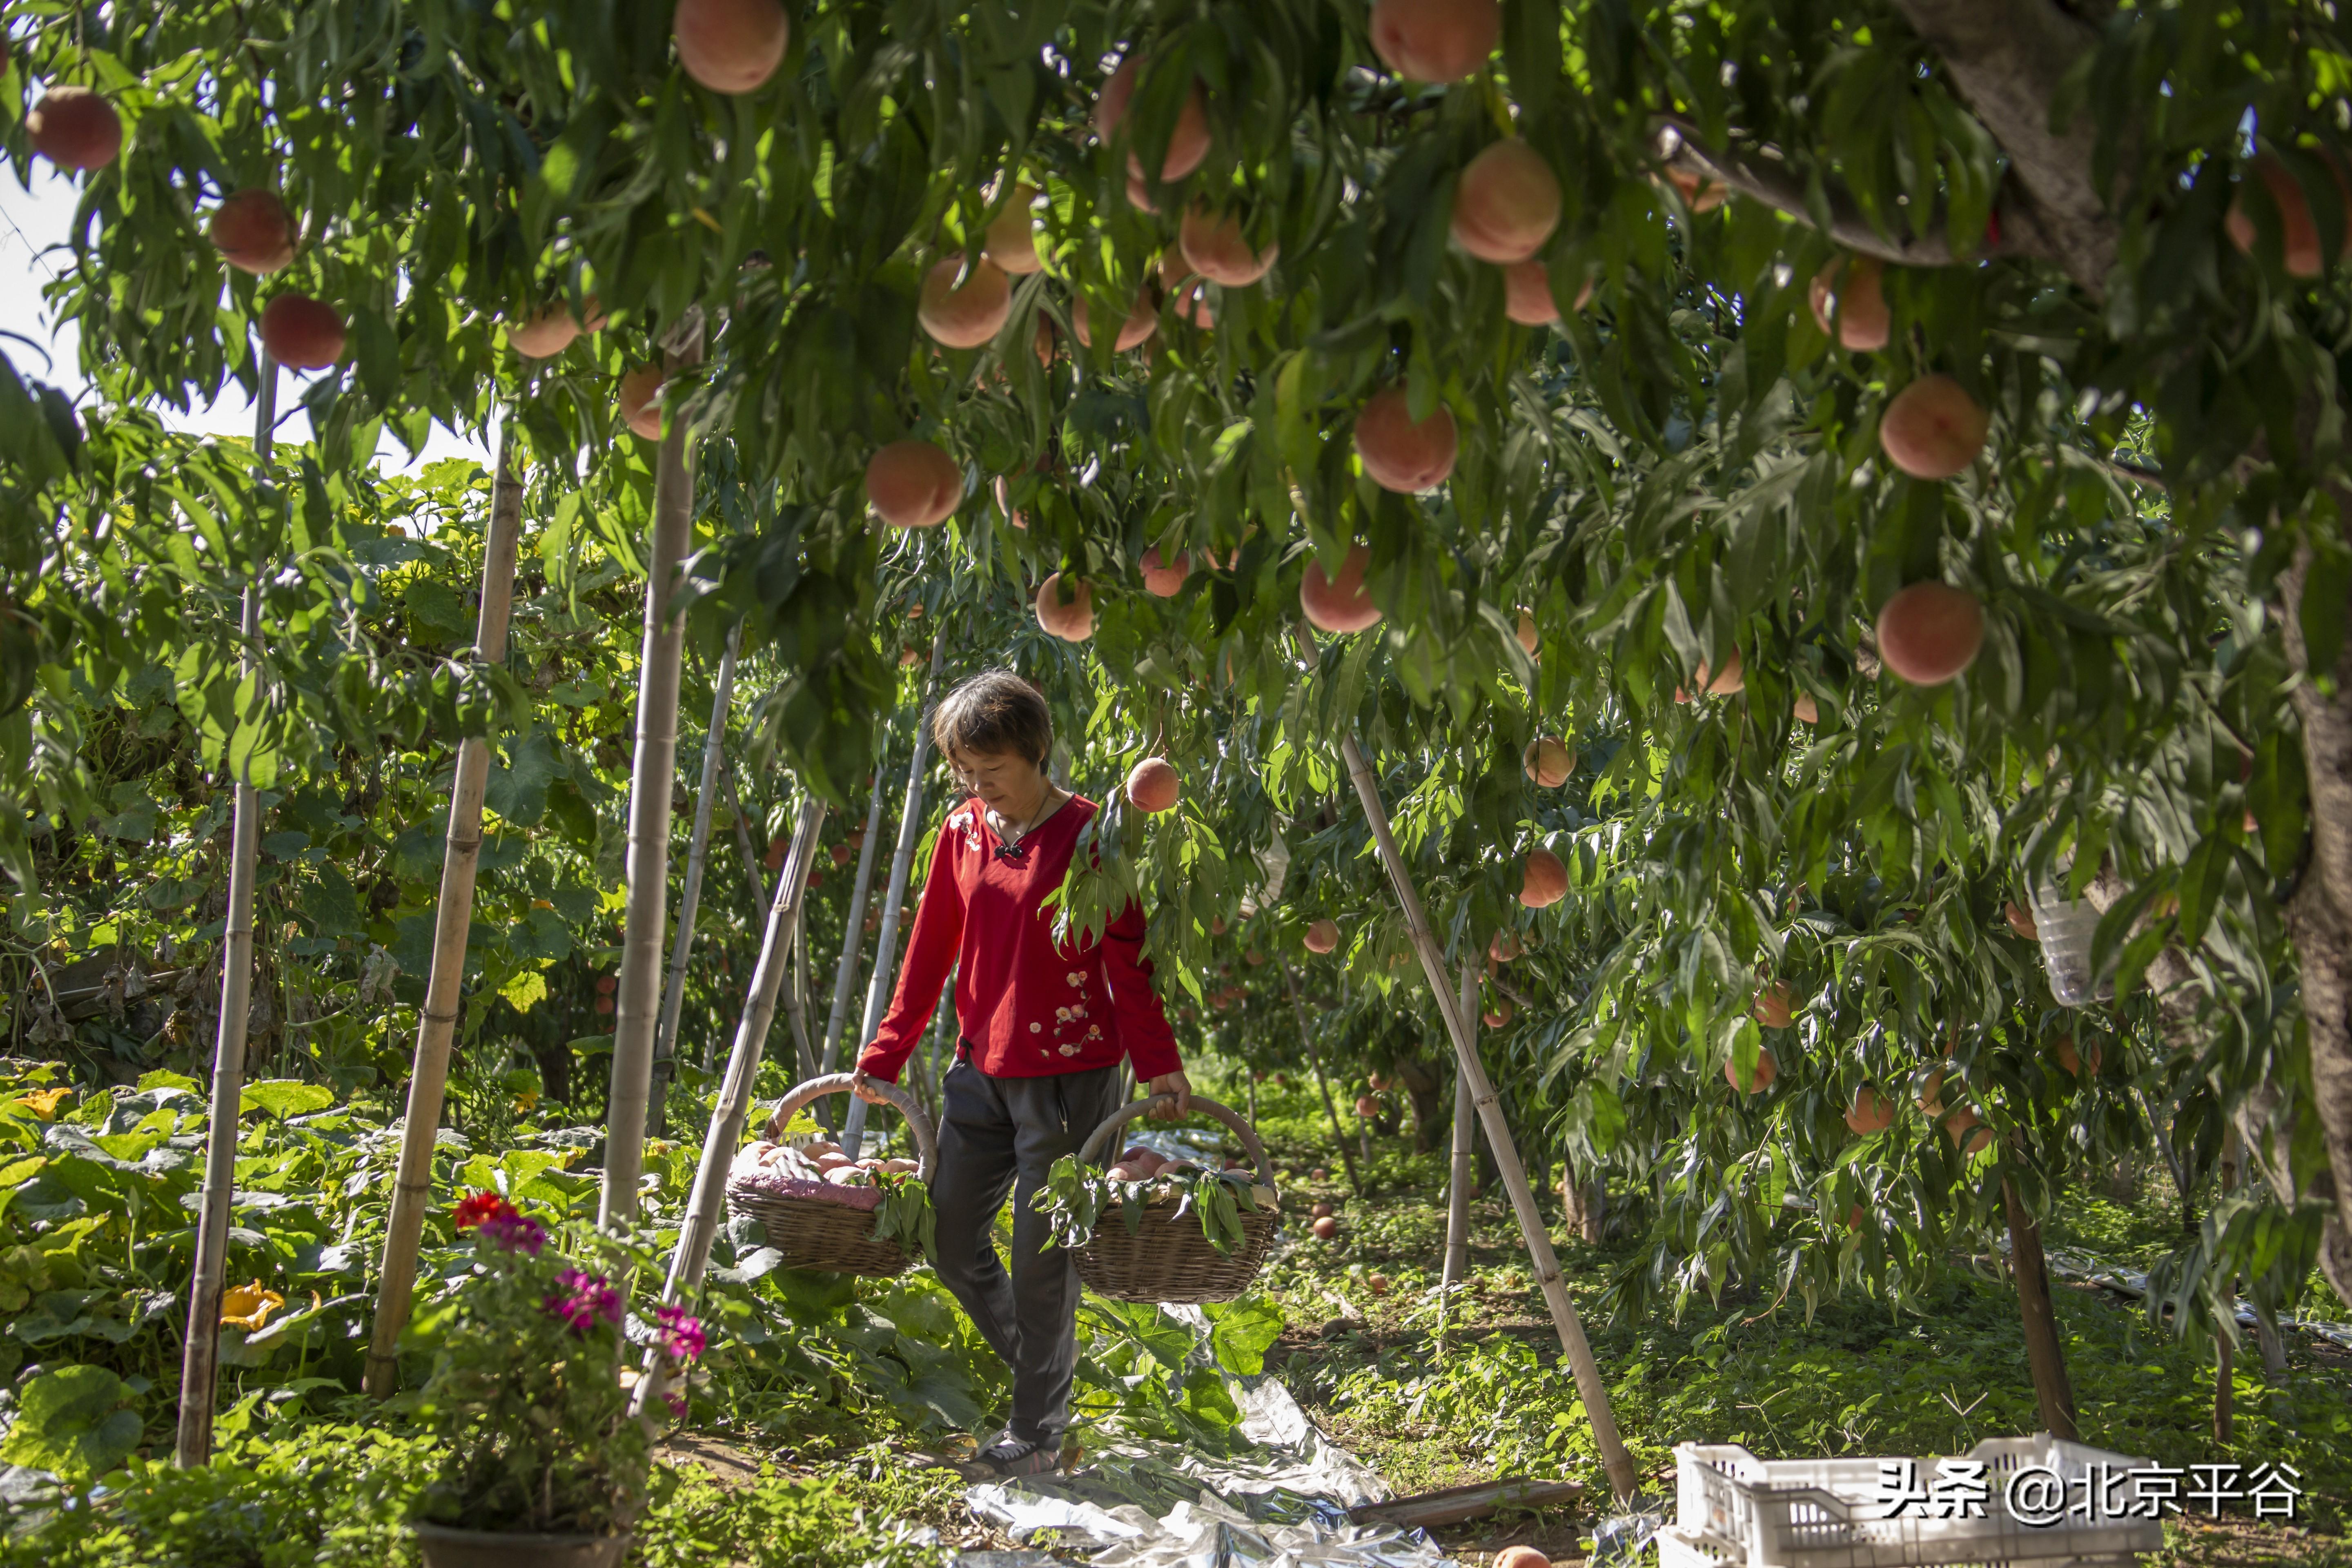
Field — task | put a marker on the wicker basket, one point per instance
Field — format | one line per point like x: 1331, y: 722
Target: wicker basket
x: 812, y: 1233
x: 1168, y: 1260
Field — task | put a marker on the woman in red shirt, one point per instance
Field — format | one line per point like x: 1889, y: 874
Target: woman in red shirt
x: 1042, y: 1031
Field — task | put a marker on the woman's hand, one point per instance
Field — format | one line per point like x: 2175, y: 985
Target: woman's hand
x: 1177, y: 1085
x: 862, y: 1085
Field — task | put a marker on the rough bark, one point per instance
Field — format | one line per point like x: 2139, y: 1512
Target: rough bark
x: 1424, y: 1092
x: 2007, y: 59
x: 2265, y: 1125
x: 2319, y: 915
x: 2045, y: 1352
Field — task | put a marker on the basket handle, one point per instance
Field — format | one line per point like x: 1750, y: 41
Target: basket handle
x: 927, y: 1148
x: 1126, y: 1113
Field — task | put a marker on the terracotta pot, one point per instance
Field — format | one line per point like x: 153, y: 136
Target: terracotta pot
x: 445, y: 1546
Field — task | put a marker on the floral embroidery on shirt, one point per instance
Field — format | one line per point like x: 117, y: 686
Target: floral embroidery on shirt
x: 965, y: 823
x: 1078, y: 977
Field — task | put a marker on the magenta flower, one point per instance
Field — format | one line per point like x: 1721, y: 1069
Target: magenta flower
x: 677, y: 1403
x: 683, y: 1339
x: 582, y: 1300
x: 511, y: 1232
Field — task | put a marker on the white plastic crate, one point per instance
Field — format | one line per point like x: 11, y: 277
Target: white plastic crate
x: 1736, y: 1510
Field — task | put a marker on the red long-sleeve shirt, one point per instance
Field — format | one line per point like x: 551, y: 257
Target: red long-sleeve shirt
x: 1028, y: 1008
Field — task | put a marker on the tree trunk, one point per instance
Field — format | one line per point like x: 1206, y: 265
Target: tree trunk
x: 911, y: 827
x: 1314, y: 1066
x: 1465, y: 1138
x: 453, y: 917
x: 2266, y: 1120
x: 639, y: 997
x: 689, y: 903
x: 2320, y: 913
x: 1424, y: 1092
x: 1619, y: 1463
x: 199, y: 1360
x: 704, y: 1208
x: 2045, y: 1352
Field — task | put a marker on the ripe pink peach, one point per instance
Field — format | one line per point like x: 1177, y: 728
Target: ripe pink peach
x: 1506, y: 204
x: 1398, y: 454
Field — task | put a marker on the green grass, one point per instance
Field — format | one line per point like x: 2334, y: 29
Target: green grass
x: 1860, y: 1377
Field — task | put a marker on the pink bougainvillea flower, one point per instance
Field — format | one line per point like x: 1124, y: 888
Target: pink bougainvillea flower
x: 475, y: 1208
x: 511, y: 1232
x: 683, y: 1338
x: 581, y: 1300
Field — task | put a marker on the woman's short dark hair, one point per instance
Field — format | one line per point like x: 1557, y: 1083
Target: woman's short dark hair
x: 992, y: 712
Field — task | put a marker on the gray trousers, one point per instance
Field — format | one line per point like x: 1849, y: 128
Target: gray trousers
x: 1001, y: 1133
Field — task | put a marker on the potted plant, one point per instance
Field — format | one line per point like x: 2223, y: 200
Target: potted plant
x: 543, y: 1467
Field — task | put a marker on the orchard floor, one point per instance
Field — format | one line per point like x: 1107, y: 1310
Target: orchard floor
x: 1489, y: 1399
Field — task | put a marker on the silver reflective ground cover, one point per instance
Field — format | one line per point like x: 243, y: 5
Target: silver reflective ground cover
x: 1281, y: 1502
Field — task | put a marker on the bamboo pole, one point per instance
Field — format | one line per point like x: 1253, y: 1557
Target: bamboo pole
x: 1314, y: 1066
x: 453, y: 916
x: 692, y: 1254
x: 689, y: 902
x: 1622, y: 1480
x: 844, y: 978
x: 753, y: 880
x: 804, y: 1052
x: 658, y: 669
x: 1465, y: 1133
x: 199, y: 1360
x: 910, y: 826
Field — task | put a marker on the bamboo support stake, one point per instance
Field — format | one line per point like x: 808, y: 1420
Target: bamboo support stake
x: 844, y: 978
x: 910, y: 826
x: 753, y: 880
x: 199, y: 1360
x: 1314, y: 1066
x: 659, y: 667
x: 1465, y: 1151
x: 804, y: 1052
x: 689, y: 902
x: 453, y: 916
x: 703, y: 1210
x: 1622, y: 1478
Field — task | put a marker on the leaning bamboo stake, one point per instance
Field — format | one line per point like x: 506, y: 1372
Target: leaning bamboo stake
x: 844, y: 978
x: 1314, y: 1066
x: 910, y: 824
x: 1573, y: 1343
x: 199, y: 1360
x: 1465, y: 1151
x: 660, y: 667
x: 692, y: 1255
x: 453, y: 916
x: 689, y: 902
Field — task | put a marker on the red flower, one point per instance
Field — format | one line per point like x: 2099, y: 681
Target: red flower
x: 475, y: 1208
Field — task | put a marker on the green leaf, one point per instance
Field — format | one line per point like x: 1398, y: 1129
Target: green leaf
x: 76, y: 1421
x: 1240, y: 1331
x: 285, y: 1097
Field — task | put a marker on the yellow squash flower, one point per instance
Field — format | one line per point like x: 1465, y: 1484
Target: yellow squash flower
x: 248, y: 1307
x: 44, y: 1103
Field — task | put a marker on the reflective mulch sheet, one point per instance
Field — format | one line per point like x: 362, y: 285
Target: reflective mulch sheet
x: 1281, y: 1502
